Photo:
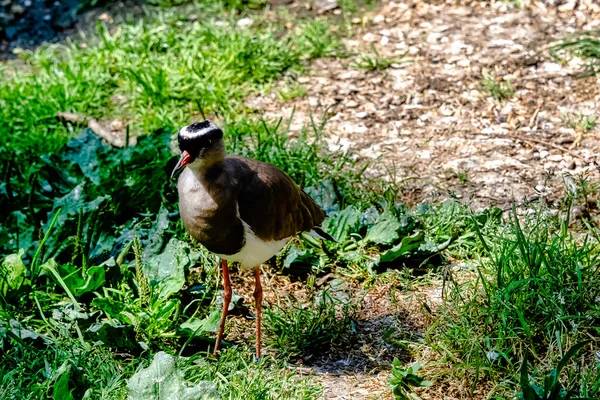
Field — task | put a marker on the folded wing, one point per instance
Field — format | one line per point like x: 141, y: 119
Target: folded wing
x: 272, y: 204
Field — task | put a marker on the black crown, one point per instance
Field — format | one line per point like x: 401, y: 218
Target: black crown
x: 207, y: 131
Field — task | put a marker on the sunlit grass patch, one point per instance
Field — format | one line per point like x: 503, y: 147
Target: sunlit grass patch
x: 158, y: 72
x: 238, y: 376
x: 291, y: 91
x: 534, y: 292
x: 585, y: 45
x: 375, y: 61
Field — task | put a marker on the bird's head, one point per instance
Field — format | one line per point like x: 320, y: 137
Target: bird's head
x: 201, y: 145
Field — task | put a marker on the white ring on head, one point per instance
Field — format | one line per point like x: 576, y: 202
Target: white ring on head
x: 186, y: 133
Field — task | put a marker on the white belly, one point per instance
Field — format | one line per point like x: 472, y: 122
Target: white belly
x: 255, y: 251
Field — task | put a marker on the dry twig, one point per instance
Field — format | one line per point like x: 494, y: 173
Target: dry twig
x: 94, y: 125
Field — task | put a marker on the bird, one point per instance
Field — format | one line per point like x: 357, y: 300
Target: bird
x: 239, y: 208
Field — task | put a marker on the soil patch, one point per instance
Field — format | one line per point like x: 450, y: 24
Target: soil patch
x: 428, y: 118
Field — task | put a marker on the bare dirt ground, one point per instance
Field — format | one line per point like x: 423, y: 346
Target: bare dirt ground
x: 358, y: 367
x: 427, y: 118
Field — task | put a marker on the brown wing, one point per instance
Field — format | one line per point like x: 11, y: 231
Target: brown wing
x: 271, y: 203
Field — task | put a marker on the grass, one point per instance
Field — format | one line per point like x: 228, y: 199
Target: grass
x: 535, y: 270
x: 499, y: 91
x: 585, y: 45
x: 30, y: 370
x: 462, y: 176
x: 149, y: 74
x: 581, y: 123
x: 99, y: 276
x: 298, y: 330
x: 291, y: 91
x: 86, y: 228
x: 553, y: 387
x: 239, y: 377
x: 376, y: 62
x: 533, y: 293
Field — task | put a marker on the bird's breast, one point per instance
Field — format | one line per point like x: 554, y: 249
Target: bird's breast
x: 210, y: 218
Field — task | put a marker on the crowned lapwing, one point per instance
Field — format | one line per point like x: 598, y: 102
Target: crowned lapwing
x: 240, y: 209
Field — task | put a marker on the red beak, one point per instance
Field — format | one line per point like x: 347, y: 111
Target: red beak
x: 183, y: 161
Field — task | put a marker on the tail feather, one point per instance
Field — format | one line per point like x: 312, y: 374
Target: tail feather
x: 321, y: 234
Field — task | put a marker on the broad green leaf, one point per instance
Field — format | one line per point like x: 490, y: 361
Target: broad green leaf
x: 12, y: 273
x: 385, y: 230
x: 61, y: 391
x: 110, y: 306
x: 164, y: 380
x: 429, y: 246
x: 86, y: 151
x: 152, y: 238
x: 341, y: 224
x: 17, y: 233
x: 16, y: 330
x: 236, y: 302
x: 165, y: 309
x: 403, y: 380
x: 79, y: 281
x: 50, y: 267
x: 72, y: 204
x: 93, y: 279
x: 489, y: 214
x: 200, y: 327
x: 297, y: 257
x: 167, y: 270
x: 551, y: 383
x: 75, y: 280
x: 81, y: 214
x: 409, y: 244
x: 527, y: 391
x: 115, y: 334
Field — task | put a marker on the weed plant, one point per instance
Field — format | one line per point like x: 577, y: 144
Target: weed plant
x: 299, y: 329
x: 499, y: 91
x: 585, y: 45
x: 535, y: 292
x: 376, y: 61
x: 581, y: 123
x: 238, y: 376
x: 95, y: 261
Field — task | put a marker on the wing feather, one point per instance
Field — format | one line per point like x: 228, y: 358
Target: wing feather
x: 272, y: 204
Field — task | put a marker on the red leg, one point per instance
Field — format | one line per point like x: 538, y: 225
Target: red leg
x: 258, y: 297
x: 226, y: 300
